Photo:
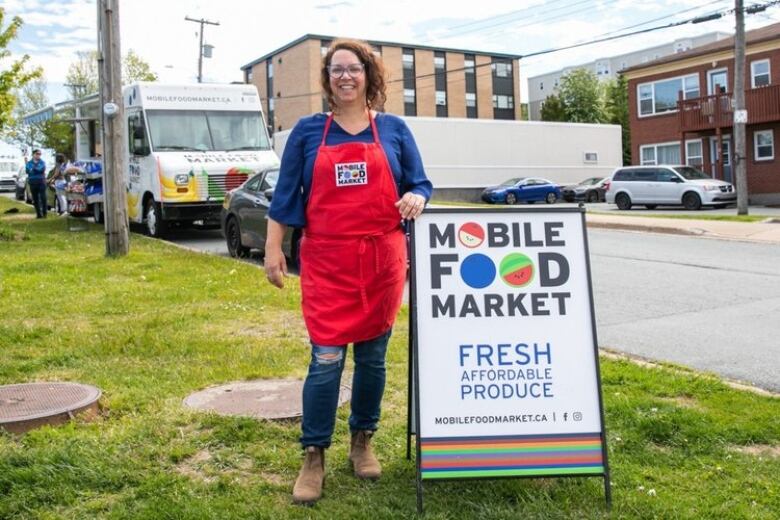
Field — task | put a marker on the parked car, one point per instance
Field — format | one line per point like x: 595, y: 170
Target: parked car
x: 672, y: 185
x: 523, y: 189
x: 21, y: 185
x: 8, y: 173
x: 589, y: 190
x: 244, y: 220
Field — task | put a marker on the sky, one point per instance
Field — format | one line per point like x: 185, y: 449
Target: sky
x: 54, y: 30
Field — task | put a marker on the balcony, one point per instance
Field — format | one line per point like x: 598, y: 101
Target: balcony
x: 716, y: 111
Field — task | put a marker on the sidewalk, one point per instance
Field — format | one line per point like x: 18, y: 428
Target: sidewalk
x: 762, y: 232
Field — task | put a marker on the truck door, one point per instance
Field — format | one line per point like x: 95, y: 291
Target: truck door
x: 139, y: 160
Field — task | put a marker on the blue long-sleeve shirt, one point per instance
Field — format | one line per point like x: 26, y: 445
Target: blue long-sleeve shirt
x: 291, y: 194
x: 36, y: 171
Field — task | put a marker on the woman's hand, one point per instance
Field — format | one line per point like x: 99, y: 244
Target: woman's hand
x: 275, y: 266
x: 411, y: 205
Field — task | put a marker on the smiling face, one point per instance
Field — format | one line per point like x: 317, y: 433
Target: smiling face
x: 347, y: 89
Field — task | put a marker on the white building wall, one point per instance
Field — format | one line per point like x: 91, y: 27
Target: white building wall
x: 475, y: 153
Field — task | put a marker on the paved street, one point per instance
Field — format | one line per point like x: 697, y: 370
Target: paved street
x: 704, y: 303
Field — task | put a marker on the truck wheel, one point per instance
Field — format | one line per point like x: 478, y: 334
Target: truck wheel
x: 691, y: 201
x: 623, y: 201
x: 155, y: 226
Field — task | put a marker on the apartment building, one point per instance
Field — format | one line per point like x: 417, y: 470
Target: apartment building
x: 681, y: 111
x: 543, y: 85
x: 422, y: 81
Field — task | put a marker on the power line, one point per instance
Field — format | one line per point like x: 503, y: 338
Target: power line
x: 510, y: 13
x: 752, y: 9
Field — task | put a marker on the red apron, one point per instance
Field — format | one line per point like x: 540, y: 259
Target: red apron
x: 353, y: 251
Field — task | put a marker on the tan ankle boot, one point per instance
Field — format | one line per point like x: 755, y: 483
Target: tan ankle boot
x: 362, y: 456
x: 308, y: 486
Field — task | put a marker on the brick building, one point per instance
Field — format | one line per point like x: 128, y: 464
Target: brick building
x: 423, y: 81
x: 681, y: 110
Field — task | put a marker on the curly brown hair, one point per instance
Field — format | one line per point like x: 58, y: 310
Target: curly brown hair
x: 374, y: 70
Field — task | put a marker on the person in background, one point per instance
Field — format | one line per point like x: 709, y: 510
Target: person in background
x: 59, y: 180
x: 36, y: 178
x: 348, y: 178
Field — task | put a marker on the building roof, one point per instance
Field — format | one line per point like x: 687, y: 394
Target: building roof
x: 375, y: 43
x: 762, y: 34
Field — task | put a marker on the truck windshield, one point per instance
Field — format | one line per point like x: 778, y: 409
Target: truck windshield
x: 203, y: 131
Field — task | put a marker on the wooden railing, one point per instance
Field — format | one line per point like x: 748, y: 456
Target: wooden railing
x: 709, y: 112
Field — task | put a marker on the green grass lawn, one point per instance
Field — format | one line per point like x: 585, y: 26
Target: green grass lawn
x: 152, y: 327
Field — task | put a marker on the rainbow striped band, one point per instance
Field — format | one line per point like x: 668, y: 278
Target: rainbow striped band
x: 517, y: 455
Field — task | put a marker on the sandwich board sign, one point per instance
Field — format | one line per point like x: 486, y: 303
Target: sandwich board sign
x: 505, y: 375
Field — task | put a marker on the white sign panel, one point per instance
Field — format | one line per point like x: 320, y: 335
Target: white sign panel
x: 505, y: 346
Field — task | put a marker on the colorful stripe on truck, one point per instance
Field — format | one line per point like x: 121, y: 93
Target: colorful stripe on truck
x: 519, y: 455
x: 202, y: 185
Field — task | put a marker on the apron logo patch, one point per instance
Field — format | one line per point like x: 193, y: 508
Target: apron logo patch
x: 351, y: 174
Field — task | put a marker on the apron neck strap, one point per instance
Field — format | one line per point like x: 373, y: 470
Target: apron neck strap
x: 330, y: 120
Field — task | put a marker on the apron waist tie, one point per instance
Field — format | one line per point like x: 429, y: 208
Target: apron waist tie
x: 361, y: 251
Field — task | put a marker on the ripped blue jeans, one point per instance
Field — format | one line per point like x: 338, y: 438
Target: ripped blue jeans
x: 321, y: 389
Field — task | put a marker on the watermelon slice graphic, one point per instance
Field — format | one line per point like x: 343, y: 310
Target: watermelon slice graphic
x: 471, y: 234
x: 517, y: 269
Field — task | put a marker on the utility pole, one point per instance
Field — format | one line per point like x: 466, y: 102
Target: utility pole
x: 113, y: 129
x: 200, y: 46
x: 740, y: 114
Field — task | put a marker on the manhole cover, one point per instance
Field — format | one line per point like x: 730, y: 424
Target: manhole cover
x: 262, y: 399
x: 31, y: 405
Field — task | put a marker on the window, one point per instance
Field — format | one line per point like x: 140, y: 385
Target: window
x: 471, y: 99
x: 502, y: 70
x: 590, y: 157
x: 136, y: 133
x: 502, y: 101
x: 249, y: 76
x: 693, y: 153
x: 195, y: 130
x: 759, y: 73
x: 661, y: 96
x: 541, y: 85
x: 408, y: 59
x: 763, y: 145
x: 270, y: 70
x: 468, y: 65
x: 665, y: 153
x: 438, y: 62
x: 324, y: 46
x: 408, y: 95
x: 664, y: 175
x: 441, y: 97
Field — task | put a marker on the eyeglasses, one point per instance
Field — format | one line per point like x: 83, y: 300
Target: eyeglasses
x: 354, y: 70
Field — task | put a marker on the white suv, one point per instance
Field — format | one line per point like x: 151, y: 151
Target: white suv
x: 652, y: 186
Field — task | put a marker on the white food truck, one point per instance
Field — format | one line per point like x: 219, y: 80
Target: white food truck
x: 187, y: 146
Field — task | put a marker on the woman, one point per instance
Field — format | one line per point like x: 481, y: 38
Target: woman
x: 340, y: 180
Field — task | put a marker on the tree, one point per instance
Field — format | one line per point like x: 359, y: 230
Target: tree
x: 54, y: 134
x: 82, y: 74
x: 134, y: 68
x: 553, y: 109
x: 616, y: 109
x: 15, y: 76
x: 582, y: 97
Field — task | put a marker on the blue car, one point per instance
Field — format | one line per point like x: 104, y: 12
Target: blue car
x: 523, y: 189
